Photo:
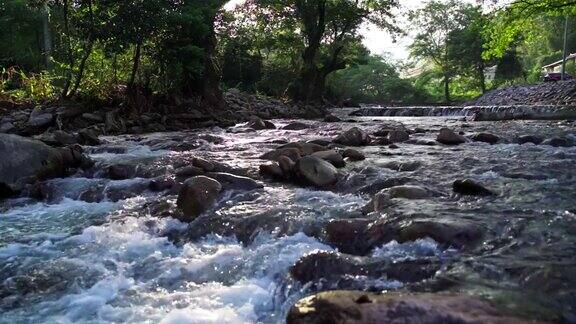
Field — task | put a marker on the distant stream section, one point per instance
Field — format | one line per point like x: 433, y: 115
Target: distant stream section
x: 477, y: 113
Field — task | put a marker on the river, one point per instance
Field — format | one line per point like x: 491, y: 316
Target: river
x: 66, y: 260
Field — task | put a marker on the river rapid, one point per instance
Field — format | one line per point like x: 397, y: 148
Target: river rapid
x: 115, y: 259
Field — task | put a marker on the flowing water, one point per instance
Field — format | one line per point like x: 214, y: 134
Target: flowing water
x: 114, y: 260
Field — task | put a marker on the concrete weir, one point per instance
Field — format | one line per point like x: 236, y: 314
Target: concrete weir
x: 477, y: 113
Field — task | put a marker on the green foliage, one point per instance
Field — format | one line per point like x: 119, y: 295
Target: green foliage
x: 376, y: 81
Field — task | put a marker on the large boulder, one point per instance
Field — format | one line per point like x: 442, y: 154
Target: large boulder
x: 353, y: 137
x: 26, y: 161
x: 196, y: 196
x: 364, y: 307
x: 317, y: 172
x: 449, y: 137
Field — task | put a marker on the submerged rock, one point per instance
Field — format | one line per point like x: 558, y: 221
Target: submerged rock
x: 471, y: 188
x: 530, y: 139
x: 558, y: 142
x: 486, y: 138
x: 449, y: 137
x: 353, y: 137
x: 196, y: 196
x: 317, y: 172
x: 271, y: 170
x: 364, y: 307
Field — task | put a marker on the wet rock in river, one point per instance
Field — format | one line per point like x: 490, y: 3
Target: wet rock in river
x: 558, y: 142
x: 363, y: 307
x: 304, y: 148
x: 347, y: 235
x: 203, y: 164
x: 331, y: 156
x: 120, y: 171
x: 88, y: 137
x: 296, y: 126
x: 271, y: 170
x: 471, y: 188
x: 258, y: 123
x: 449, y: 137
x: 286, y: 165
x: 456, y: 233
x: 353, y: 155
x: 530, y: 139
x: 396, y: 136
x: 235, y: 182
x: 162, y: 183
x: 291, y: 152
x: 403, y: 166
x: 196, y: 196
x: 317, y: 172
x: 353, y: 137
x: 321, y: 142
x: 189, y: 171
x: 486, y: 138
x: 333, y: 267
x: 379, y: 184
x: 26, y: 161
x: 408, y: 192
x: 332, y: 119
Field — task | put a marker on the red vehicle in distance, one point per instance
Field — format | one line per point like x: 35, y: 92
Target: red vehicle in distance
x: 556, y: 76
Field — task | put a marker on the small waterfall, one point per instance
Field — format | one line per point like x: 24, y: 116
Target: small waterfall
x: 478, y: 113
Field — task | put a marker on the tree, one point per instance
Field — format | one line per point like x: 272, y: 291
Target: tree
x: 329, y: 34
x: 434, y: 23
x: 465, y: 46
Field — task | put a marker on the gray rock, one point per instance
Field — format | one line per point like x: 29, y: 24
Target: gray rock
x: 353, y: 137
x: 296, y: 126
x: 353, y: 155
x: 471, y: 188
x: 40, y: 119
x: 448, y: 137
x: 197, y: 195
x: 391, y: 307
x: 93, y: 118
x: 317, y: 172
x: 271, y: 170
x: 396, y: 136
x: 332, y: 119
x: 530, y: 139
x: 558, y: 142
x: 486, y: 138
x: 234, y: 182
x: 7, y: 127
x: 25, y: 161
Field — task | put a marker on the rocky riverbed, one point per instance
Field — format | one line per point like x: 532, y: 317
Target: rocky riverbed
x: 406, y: 219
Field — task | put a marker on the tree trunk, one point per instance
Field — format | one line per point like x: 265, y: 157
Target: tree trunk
x: 447, y: 89
x: 69, y: 53
x: 47, y: 37
x: 81, y: 69
x: 313, y: 16
x: 482, y: 78
x: 135, y: 64
x: 211, y: 91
